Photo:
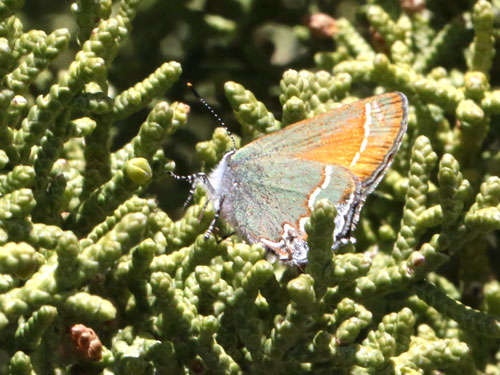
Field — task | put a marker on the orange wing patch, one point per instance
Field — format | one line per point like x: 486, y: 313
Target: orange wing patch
x: 365, y: 141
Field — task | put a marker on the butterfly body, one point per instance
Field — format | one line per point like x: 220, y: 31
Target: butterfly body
x: 267, y: 189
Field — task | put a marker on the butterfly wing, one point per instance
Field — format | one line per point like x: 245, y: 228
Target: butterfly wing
x: 340, y: 155
x: 362, y: 136
x: 277, y: 195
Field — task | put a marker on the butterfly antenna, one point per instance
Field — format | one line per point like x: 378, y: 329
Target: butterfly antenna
x: 192, y: 179
x: 219, y: 120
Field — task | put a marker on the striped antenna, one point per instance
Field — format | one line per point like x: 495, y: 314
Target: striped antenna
x: 219, y: 120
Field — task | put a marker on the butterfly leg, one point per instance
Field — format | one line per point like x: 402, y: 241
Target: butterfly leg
x: 214, y: 220
x: 203, y: 209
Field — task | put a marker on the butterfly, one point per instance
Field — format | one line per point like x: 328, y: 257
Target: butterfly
x: 267, y: 189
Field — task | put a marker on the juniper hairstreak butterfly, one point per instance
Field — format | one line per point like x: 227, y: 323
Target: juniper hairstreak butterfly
x: 267, y: 189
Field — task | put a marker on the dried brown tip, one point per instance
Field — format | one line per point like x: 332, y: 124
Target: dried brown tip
x: 321, y: 25
x: 86, y: 342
